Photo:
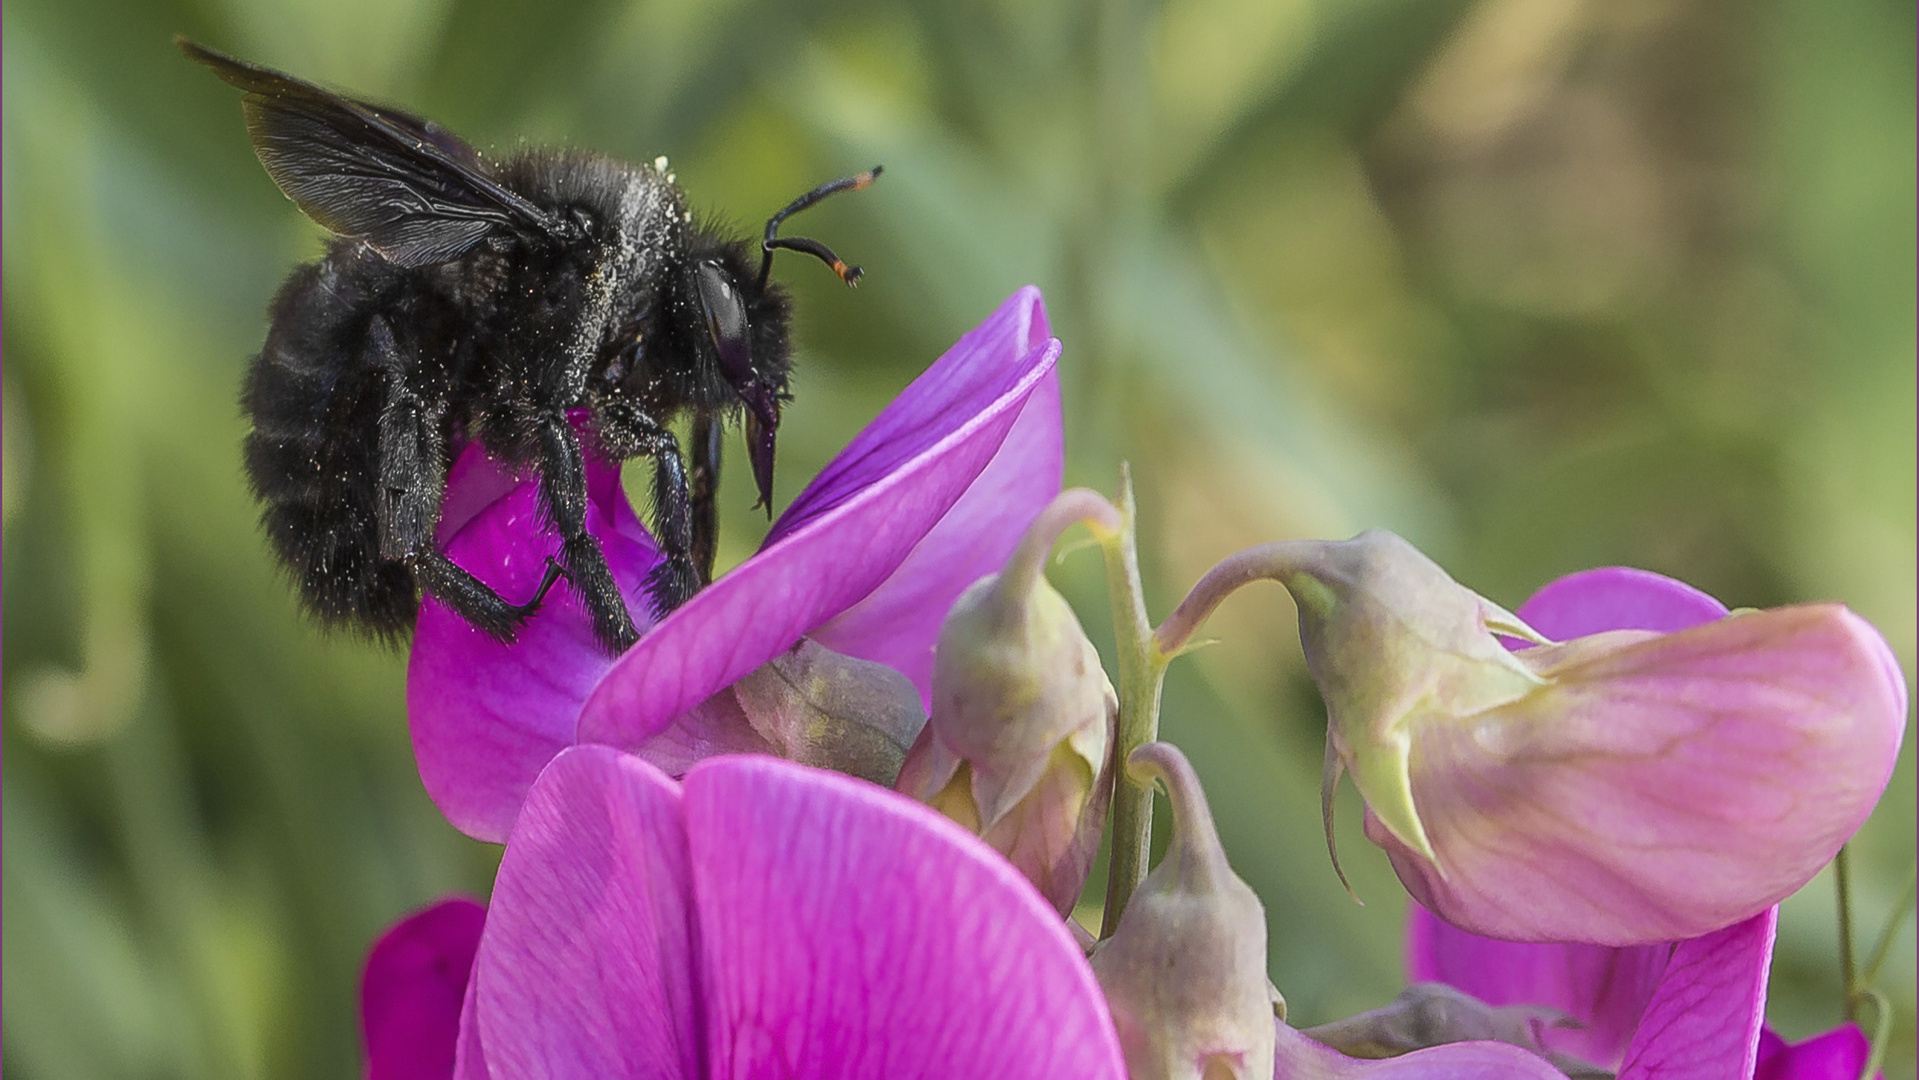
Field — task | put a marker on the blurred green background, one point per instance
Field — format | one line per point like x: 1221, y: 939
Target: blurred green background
x: 1540, y: 284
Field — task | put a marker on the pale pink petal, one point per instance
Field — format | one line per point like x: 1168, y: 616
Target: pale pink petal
x: 1297, y: 1057
x: 586, y: 970
x: 1661, y: 789
x: 1838, y: 1054
x: 898, y: 622
x: 485, y: 717
x: 845, y: 544
x: 412, y: 989
x: 1605, y: 988
x: 852, y: 933
x: 1703, y: 1021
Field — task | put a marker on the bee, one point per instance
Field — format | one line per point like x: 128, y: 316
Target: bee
x: 465, y: 299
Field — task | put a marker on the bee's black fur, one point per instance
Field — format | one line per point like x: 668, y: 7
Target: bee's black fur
x: 468, y: 301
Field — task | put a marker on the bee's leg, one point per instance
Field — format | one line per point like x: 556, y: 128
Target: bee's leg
x: 474, y: 600
x: 412, y: 483
x: 629, y: 432
x: 705, y: 495
x: 563, y: 486
x: 676, y: 577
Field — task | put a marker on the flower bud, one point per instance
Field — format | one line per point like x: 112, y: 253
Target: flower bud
x: 1185, y: 971
x: 1619, y: 788
x: 809, y: 704
x: 1016, y: 747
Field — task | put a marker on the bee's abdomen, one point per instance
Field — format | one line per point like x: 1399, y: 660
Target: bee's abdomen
x: 314, y: 397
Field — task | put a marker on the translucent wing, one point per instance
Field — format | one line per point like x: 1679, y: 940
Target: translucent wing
x: 411, y: 189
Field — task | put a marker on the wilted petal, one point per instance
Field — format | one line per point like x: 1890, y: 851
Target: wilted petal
x: 1297, y: 1057
x: 832, y: 711
x: 411, y: 993
x: 486, y: 717
x: 1703, y: 1021
x: 1659, y: 787
x: 1604, y: 988
x: 841, y: 539
x: 851, y: 933
x: 1838, y: 1054
x: 587, y: 965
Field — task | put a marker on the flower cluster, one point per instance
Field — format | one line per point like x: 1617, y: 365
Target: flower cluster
x: 1596, y: 801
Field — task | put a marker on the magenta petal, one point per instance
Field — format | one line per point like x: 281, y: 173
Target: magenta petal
x: 1606, y: 989
x: 850, y: 933
x: 1296, y: 1057
x: 982, y: 366
x: 412, y: 990
x: 898, y: 622
x: 1838, y: 1054
x: 486, y: 718
x: 586, y: 968
x: 1703, y: 1021
x: 875, y: 505
x: 1617, y: 598
x: 469, y: 1059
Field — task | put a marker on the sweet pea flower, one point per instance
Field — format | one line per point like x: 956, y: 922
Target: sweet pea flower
x: 932, y: 495
x: 1839, y: 1054
x: 1680, y: 1010
x: 1679, y: 772
x: 1687, y: 1010
x: 765, y: 919
x: 1684, y: 1010
x: 1618, y: 787
x: 412, y: 990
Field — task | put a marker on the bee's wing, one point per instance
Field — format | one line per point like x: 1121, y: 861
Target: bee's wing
x: 408, y: 187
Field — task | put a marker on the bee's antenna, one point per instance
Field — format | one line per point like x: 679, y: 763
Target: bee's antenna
x: 773, y: 241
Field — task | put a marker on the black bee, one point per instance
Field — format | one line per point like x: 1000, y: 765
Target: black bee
x: 472, y: 300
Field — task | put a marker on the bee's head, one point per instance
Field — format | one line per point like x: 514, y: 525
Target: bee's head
x: 746, y: 320
x: 746, y: 325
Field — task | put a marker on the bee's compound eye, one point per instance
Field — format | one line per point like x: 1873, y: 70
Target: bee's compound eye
x: 726, y: 321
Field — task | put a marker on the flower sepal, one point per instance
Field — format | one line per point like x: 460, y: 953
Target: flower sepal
x: 1185, y: 971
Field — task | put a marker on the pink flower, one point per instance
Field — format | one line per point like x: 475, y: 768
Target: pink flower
x: 1675, y: 772
x: 761, y: 919
x: 1680, y: 1009
x: 1684, y: 1010
x: 1838, y: 1054
x: 1687, y: 1010
x: 932, y: 495
x: 411, y: 992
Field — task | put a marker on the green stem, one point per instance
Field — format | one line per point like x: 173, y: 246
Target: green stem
x: 1142, y: 671
x: 1883, y: 947
x: 1881, y: 1034
x: 1849, y: 976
